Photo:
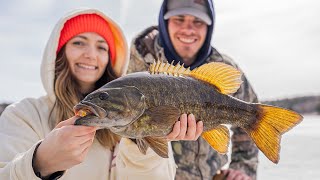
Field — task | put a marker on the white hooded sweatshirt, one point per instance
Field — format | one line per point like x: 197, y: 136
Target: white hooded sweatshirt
x: 25, y: 124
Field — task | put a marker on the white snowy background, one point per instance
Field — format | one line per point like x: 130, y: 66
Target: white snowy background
x: 275, y: 42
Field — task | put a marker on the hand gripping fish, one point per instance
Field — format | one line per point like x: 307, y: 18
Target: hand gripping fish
x: 146, y: 105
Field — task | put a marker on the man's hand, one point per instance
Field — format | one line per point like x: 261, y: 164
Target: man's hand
x: 186, y: 129
x: 232, y: 174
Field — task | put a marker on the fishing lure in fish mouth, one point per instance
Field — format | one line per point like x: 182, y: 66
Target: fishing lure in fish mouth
x: 146, y: 105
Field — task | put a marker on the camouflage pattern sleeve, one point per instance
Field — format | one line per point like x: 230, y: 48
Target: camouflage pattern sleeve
x: 142, y: 51
x: 136, y: 63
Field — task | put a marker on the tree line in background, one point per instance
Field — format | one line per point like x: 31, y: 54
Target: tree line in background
x: 303, y: 105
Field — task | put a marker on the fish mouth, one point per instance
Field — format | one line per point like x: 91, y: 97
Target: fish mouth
x: 92, y: 108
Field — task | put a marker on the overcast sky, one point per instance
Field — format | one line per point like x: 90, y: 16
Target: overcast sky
x: 275, y: 42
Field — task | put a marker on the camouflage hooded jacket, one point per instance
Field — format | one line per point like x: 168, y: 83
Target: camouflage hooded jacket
x: 196, y: 159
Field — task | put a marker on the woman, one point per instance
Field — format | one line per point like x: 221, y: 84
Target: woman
x: 38, y: 139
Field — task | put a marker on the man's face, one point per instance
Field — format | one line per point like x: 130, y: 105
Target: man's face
x: 187, y: 34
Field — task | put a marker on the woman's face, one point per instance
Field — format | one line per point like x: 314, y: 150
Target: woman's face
x: 87, y: 55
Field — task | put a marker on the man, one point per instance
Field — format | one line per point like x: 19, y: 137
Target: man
x: 184, y: 35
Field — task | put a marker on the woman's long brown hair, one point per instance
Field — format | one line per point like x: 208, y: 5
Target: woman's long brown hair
x: 68, y: 95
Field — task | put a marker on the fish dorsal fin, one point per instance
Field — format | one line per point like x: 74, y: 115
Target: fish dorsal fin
x: 159, y: 145
x: 218, y: 138
x: 169, y: 69
x: 224, y: 77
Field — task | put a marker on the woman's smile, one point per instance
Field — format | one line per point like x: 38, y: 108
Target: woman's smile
x: 83, y: 66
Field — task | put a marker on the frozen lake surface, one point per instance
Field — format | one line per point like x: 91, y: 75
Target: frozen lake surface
x: 299, y: 155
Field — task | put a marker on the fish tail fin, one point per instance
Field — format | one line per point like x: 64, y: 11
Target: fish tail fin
x: 271, y: 124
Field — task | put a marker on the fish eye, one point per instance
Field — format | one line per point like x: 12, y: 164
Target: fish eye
x: 103, y: 96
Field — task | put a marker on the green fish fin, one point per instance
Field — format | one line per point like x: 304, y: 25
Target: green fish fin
x: 142, y: 145
x: 225, y: 78
x: 272, y: 122
x: 159, y: 145
x: 167, y: 115
x: 218, y: 138
x: 169, y: 69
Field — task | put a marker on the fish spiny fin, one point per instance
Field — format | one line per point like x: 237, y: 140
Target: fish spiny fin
x: 152, y: 68
x: 158, y: 145
x: 156, y: 69
x: 224, y: 77
x: 161, y: 68
x: 272, y: 123
x: 218, y: 138
x: 169, y: 69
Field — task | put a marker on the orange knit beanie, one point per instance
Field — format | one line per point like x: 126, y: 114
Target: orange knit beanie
x: 88, y: 23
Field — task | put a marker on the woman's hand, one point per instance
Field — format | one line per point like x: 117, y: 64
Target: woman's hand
x: 64, y: 147
x: 186, y: 129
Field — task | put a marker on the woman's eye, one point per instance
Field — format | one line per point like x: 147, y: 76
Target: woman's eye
x: 102, y: 48
x: 78, y: 43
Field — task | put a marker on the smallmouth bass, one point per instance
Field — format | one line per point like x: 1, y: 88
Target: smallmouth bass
x: 145, y: 106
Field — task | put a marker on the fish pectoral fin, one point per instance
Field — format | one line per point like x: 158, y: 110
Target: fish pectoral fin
x: 142, y: 145
x: 225, y: 78
x: 167, y: 115
x: 218, y: 138
x: 159, y: 145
